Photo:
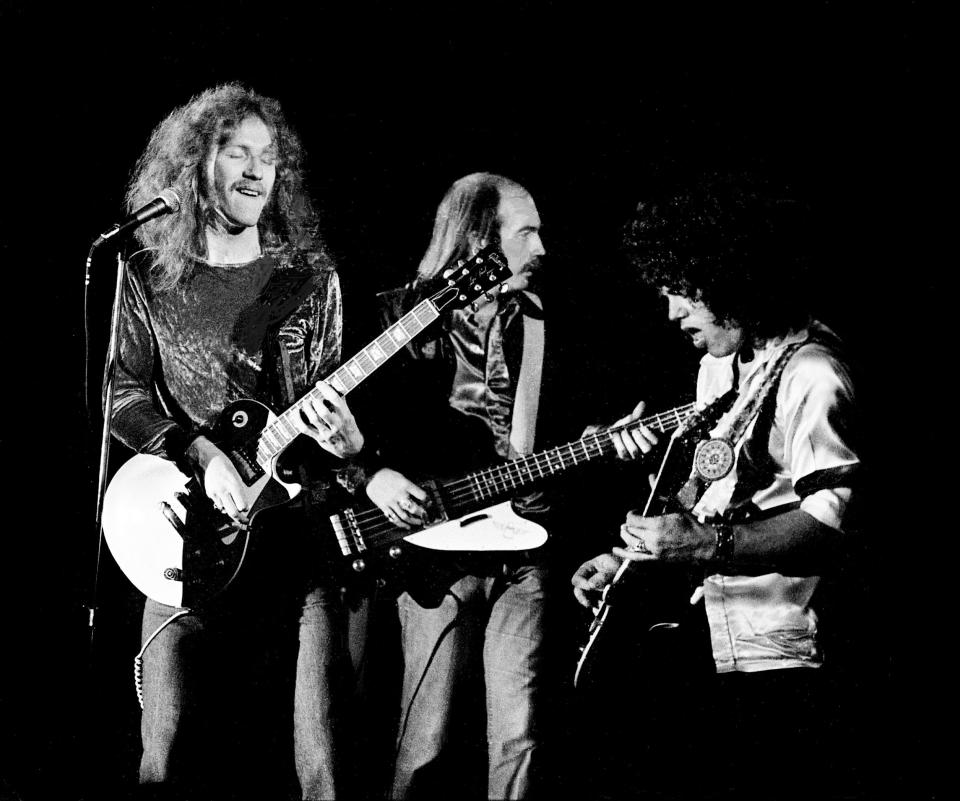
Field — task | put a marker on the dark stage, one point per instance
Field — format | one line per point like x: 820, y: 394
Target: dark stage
x: 586, y: 110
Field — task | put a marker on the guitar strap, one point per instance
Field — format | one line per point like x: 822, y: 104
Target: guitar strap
x: 287, y: 387
x: 523, y: 427
x: 714, y: 458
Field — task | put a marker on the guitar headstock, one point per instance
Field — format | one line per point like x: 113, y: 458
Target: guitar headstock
x: 474, y: 280
x: 698, y: 424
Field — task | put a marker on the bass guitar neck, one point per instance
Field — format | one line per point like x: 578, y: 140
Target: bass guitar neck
x: 468, y: 513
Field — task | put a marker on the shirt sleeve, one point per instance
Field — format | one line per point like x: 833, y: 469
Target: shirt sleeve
x: 325, y: 345
x: 816, y: 407
x: 137, y: 418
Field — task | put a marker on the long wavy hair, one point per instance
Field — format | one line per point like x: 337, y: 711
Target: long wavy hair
x: 734, y: 242
x: 466, y: 216
x: 176, y: 156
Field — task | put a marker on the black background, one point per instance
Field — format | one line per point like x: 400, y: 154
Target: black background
x: 584, y: 108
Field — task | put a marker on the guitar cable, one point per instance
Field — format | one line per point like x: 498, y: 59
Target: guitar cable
x: 446, y: 630
x: 138, y: 659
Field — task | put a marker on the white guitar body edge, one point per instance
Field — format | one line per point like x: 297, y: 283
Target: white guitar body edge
x: 496, y: 528
x: 141, y: 539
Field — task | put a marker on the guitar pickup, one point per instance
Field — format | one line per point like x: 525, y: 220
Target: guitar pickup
x: 434, y: 503
x: 473, y: 519
x: 247, y: 466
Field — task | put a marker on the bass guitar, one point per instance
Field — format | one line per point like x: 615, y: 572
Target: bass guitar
x: 164, y: 532
x: 665, y: 495
x: 467, y: 513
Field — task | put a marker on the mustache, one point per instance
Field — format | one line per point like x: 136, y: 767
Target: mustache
x: 534, y: 264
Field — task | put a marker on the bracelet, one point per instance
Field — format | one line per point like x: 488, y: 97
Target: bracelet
x: 724, y: 544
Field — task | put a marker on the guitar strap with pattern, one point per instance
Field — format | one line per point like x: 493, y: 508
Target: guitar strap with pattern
x: 714, y: 458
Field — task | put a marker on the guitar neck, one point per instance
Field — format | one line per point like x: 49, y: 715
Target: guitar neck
x: 494, y: 482
x: 276, y: 436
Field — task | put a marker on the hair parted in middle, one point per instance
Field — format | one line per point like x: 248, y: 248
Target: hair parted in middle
x: 177, y: 156
x: 467, y: 216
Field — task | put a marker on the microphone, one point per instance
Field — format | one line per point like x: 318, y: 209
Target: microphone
x: 167, y: 202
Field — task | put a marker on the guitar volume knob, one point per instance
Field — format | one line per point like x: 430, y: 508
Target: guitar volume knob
x: 358, y: 565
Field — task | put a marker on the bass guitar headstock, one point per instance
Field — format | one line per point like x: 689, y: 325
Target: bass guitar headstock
x: 473, y: 281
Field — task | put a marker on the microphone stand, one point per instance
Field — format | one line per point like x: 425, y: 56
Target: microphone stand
x: 110, y: 380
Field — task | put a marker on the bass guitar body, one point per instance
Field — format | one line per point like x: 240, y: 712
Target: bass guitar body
x: 164, y: 532
x: 497, y: 528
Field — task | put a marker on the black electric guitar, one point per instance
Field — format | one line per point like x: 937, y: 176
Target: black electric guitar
x: 664, y: 602
x: 162, y: 529
x: 473, y: 512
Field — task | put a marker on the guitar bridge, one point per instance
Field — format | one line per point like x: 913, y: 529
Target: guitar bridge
x: 348, y: 533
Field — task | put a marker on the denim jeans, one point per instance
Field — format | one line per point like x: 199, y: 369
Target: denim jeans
x: 177, y: 670
x: 494, y: 624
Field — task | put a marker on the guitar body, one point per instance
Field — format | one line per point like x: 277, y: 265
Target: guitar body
x: 637, y: 616
x: 189, y: 564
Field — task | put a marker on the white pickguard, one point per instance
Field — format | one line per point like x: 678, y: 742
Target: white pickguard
x: 143, y: 542
x: 496, y: 528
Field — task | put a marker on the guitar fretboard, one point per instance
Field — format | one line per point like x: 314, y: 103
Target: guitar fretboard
x: 281, y: 432
x: 492, y: 482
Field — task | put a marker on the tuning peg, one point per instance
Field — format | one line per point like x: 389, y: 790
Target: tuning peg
x: 474, y: 306
x: 488, y: 296
x: 503, y: 287
x: 493, y: 278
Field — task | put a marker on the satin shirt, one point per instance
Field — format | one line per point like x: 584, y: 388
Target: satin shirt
x: 795, y: 452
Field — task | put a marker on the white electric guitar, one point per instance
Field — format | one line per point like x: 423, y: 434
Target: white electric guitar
x: 468, y: 514
x: 162, y: 529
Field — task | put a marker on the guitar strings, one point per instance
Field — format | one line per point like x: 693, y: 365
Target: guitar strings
x: 497, y: 480
x: 590, y: 447
x: 412, y: 323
